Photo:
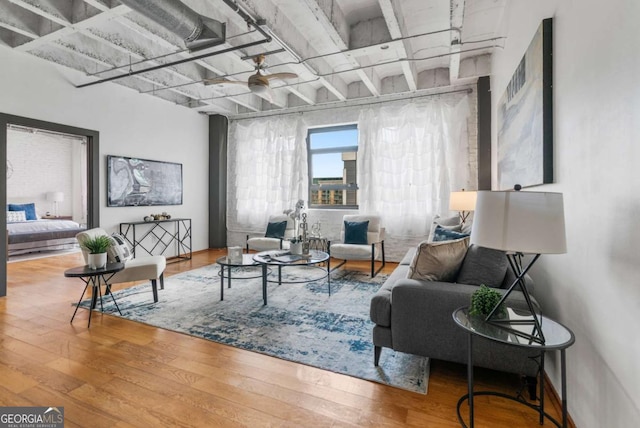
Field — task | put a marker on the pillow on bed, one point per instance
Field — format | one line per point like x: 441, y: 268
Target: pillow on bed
x: 29, y: 209
x: 119, y: 251
x: 16, y: 216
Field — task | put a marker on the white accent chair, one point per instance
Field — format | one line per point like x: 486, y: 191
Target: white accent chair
x: 375, y: 238
x: 139, y: 269
x: 263, y: 243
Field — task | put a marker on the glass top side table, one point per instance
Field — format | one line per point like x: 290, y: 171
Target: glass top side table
x: 557, y: 337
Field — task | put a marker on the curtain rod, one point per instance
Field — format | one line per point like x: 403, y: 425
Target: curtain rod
x: 30, y: 130
x: 344, y: 104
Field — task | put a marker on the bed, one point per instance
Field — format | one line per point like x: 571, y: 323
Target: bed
x: 36, y: 234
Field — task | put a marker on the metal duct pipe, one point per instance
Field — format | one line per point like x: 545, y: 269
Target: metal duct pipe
x: 197, y: 31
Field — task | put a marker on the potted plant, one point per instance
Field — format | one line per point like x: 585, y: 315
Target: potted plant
x: 484, y: 300
x: 295, y: 245
x: 97, y: 248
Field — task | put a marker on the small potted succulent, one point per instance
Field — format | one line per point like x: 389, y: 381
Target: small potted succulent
x: 484, y: 300
x: 97, y: 248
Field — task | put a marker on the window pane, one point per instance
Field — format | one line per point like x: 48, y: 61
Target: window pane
x: 342, y: 138
x: 334, y: 179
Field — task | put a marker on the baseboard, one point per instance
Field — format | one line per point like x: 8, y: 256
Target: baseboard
x: 555, y: 400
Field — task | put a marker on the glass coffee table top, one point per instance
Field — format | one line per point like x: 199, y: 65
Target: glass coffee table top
x: 247, y: 260
x: 284, y: 258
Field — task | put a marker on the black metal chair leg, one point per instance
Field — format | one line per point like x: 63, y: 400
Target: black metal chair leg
x: 154, y: 287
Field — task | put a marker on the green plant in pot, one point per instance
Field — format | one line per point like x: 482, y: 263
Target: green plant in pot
x: 97, y: 247
x: 484, y: 300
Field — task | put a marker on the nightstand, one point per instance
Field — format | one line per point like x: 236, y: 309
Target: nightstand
x: 62, y: 217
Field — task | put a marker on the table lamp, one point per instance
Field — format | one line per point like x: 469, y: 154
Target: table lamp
x: 464, y: 202
x: 55, y: 197
x: 520, y: 223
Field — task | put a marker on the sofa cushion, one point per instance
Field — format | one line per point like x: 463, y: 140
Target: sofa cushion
x: 449, y: 223
x: 438, y: 261
x: 442, y: 234
x: 483, y: 266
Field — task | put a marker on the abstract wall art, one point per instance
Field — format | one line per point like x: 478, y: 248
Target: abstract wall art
x: 525, y: 119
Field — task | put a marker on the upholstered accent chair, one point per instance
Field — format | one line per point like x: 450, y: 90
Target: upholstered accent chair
x: 362, y: 238
x: 149, y: 268
x: 275, y: 237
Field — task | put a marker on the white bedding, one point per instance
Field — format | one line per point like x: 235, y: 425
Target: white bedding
x: 41, y: 226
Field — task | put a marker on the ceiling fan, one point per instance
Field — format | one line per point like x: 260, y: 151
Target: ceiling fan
x: 258, y: 82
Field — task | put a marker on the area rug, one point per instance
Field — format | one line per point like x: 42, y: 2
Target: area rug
x: 301, y: 322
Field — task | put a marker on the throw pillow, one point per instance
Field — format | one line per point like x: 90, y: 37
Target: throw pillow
x: 443, y: 234
x: 119, y: 251
x: 16, y: 216
x: 483, y: 266
x: 29, y: 209
x: 438, y: 261
x: 355, y: 232
x: 450, y: 223
x: 276, y: 230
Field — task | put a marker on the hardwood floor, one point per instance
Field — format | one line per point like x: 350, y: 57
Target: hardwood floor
x: 122, y: 373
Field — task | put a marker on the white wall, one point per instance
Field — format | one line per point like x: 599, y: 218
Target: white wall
x: 594, y: 289
x: 129, y: 124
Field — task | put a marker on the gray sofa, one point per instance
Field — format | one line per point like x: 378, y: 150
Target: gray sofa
x: 415, y: 316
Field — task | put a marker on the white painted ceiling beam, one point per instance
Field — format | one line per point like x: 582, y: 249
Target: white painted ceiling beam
x: 290, y: 34
x: 50, y: 9
x: 329, y: 15
x: 18, y: 20
x: 395, y: 23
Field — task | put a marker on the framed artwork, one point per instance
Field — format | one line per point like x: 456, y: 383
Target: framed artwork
x: 142, y: 182
x: 525, y: 117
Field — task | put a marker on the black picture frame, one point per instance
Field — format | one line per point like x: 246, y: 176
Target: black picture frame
x: 142, y: 182
x: 525, y: 117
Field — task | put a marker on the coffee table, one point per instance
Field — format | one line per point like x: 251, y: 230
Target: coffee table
x: 224, y: 262
x: 269, y: 258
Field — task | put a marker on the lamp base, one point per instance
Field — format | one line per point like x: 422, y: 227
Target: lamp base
x: 536, y: 335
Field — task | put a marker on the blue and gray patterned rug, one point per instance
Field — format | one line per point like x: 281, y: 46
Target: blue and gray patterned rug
x: 301, y: 322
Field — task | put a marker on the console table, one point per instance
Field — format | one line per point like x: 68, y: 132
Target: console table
x: 157, y: 236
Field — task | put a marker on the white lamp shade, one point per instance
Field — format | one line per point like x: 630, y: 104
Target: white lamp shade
x: 462, y: 201
x: 55, y: 196
x: 524, y: 222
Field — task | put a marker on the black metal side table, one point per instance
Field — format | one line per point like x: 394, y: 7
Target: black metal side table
x: 557, y: 338
x: 94, y: 277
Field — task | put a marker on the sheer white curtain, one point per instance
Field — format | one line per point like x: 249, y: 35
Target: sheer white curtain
x: 267, y: 170
x: 409, y: 159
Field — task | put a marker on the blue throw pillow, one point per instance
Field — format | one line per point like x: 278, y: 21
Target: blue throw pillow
x: 355, y: 232
x: 443, y: 234
x: 29, y: 210
x: 276, y: 230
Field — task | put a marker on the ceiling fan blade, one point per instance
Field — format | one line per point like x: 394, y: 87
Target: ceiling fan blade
x: 222, y: 80
x: 281, y: 76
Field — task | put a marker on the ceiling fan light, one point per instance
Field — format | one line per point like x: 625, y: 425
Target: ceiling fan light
x: 259, y: 89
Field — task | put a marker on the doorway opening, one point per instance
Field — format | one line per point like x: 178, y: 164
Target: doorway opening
x: 80, y: 192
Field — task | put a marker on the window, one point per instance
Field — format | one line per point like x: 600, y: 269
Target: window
x: 332, y: 157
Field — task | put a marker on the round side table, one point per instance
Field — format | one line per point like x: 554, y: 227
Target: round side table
x: 557, y: 338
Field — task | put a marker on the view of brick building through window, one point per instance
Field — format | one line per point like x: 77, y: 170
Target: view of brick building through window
x: 332, y: 166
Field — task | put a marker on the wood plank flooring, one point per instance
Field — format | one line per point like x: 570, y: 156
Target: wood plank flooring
x: 121, y: 373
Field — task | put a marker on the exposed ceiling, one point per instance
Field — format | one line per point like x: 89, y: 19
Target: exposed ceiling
x: 340, y: 50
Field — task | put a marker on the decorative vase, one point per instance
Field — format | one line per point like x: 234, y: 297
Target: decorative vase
x: 295, y: 248
x: 97, y: 261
